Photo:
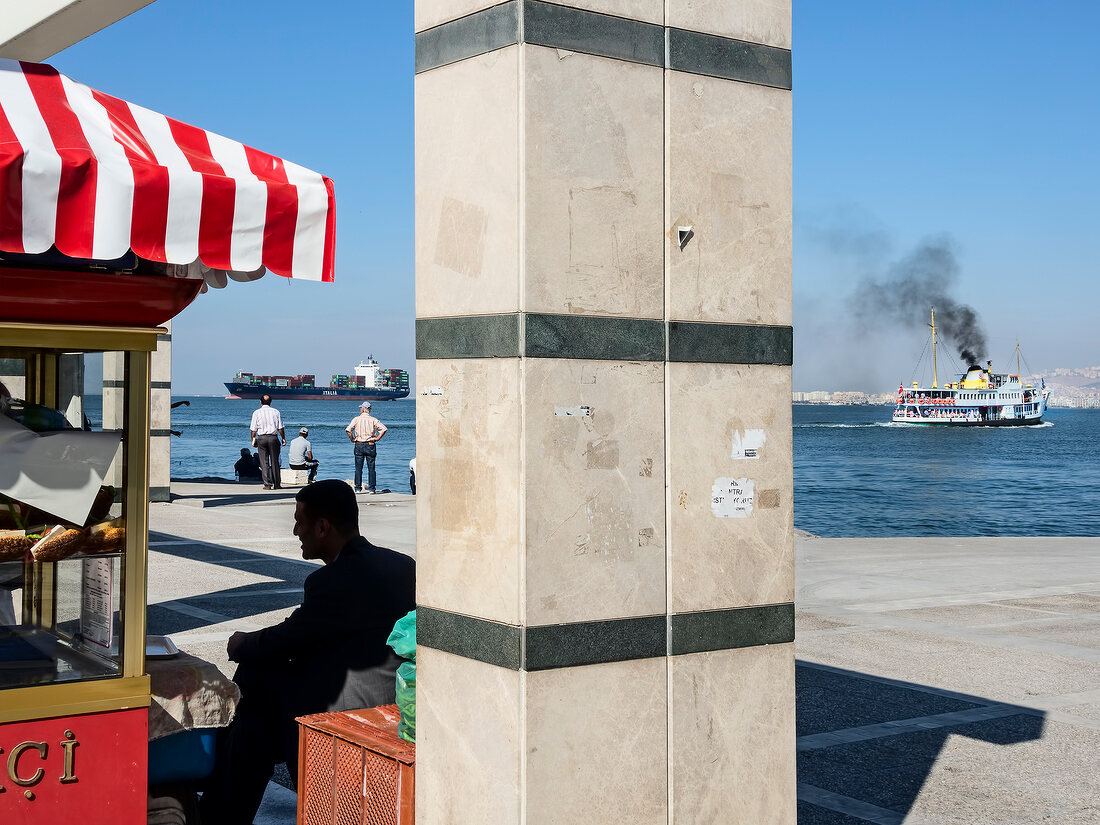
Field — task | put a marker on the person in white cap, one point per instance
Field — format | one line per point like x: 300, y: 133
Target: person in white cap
x: 301, y: 455
x: 365, y: 431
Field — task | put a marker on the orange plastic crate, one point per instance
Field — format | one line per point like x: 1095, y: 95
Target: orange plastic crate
x: 353, y: 769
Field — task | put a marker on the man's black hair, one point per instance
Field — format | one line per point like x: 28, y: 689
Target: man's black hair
x: 265, y: 400
x: 334, y: 500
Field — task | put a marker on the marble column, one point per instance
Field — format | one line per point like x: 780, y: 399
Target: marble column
x: 604, y: 472
x: 160, y: 419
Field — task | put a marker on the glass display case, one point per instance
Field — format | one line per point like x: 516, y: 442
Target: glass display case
x: 74, y: 434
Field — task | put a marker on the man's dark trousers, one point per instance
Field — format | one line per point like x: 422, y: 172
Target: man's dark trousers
x: 268, y: 448
x: 309, y: 465
x: 365, y: 452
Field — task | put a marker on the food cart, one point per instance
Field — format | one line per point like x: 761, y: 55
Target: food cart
x: 113, y: 219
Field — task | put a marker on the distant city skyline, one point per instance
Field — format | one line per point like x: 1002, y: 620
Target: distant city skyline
x: 914, y: 124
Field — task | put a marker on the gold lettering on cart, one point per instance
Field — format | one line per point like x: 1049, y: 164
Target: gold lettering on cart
x: 13, y: 763
x: 69, y: 745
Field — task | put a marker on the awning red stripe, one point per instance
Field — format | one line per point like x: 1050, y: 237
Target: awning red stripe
x: 149, y: 221
x: 79, y: 168
x: 11, y: 188
x: 282, y: 211
x: 218, y: 196
x: 328, y: 270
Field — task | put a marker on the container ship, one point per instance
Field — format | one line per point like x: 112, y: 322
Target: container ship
x: 980, y: 398
x: 368, y: 383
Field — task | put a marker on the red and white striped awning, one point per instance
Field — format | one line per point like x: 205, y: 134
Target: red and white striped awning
x: 96, y: 177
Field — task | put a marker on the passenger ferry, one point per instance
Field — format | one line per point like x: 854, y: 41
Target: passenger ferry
x: 980, y: 398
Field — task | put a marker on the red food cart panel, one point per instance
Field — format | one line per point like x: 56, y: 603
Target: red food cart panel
x: 98, y: 298
x: 88, y: 769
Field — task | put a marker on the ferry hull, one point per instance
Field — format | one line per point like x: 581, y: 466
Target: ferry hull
x: 254, y: 391
x: 941, y: 422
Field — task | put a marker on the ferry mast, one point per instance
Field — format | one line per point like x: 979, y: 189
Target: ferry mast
x: 935, y: 377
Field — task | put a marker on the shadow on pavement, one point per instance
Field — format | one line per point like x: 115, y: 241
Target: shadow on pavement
x: 282, y: 588
x: 245, y: 494
x: 866, y: 744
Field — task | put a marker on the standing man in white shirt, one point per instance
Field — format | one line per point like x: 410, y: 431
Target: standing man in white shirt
x: 266, y: 422
x: 365, y: 431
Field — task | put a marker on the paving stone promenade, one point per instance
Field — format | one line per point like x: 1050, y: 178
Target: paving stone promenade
x: 939, y: 681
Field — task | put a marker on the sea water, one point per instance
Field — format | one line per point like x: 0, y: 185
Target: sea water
x: 858, y: 474
x: 855, y: 472
x: 213, y: 431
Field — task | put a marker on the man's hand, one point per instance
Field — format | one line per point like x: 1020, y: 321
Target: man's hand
x: 232, y: 645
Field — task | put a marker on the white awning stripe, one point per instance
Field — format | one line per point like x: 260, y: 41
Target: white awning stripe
x: 250, y: 206
x: 41, y: 171
x: 309, y: 249
x: 181, y: 238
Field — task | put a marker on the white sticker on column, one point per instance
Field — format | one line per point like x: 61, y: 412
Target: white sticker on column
x: 748, y: 444
x: 731, y: 497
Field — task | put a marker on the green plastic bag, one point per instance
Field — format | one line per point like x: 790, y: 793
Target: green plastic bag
x: 403, y: 641
x: 406, y: 701
x: 403, y: 636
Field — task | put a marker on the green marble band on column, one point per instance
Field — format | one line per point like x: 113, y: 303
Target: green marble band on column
x: 729, y: 629
x: 593, y: 643
x: 576, y: 30
x: 472, y: 336
x: 603, y: 35
x: 478, y: 33
x: 730, y: 343
x: 160, y: 494
x: 600, y: 338
x: 591, y: 337
x: 549, y: 647
x: 709, y: 54
x: 473, y: 638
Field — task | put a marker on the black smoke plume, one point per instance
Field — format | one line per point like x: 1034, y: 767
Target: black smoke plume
x: 924, y: 278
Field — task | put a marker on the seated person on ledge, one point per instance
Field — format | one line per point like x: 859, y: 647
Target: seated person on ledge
x: 247, y: 467
x: 301, y: 455
x: 329, y: 654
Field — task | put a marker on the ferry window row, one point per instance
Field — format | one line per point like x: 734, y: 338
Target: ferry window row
x: 971, y: 396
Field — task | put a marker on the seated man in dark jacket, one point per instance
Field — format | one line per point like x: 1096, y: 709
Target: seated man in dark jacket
x: 329, y: 654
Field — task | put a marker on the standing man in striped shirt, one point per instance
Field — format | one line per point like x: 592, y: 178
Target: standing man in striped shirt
x: 266, y: 422
x: 365, y: 431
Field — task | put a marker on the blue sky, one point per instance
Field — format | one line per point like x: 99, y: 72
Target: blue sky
x: 974, y: 122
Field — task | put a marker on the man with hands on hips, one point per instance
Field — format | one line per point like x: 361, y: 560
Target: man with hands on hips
x: 365, y: 431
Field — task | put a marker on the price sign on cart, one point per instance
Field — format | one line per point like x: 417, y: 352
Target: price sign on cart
x: 96, y: 601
